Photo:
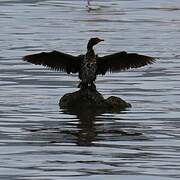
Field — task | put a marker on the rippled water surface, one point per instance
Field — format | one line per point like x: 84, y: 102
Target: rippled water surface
x: 40, y: 141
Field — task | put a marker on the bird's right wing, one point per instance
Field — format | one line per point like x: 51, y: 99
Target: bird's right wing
x: 56, y: 60
x: 121, y: 61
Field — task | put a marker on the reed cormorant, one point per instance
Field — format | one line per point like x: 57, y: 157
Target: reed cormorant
x: 88, y: 2
x: 89, y: 65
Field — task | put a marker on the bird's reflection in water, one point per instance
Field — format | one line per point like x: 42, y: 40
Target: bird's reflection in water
x: 87, y: 128
x: 91, y: 128
x: 87, y: 132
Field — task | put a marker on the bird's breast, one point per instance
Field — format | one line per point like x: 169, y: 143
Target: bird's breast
x: 88, y: 71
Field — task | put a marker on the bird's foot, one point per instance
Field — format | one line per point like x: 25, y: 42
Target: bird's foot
x: 83, y: 86
x: 92, y: 87
x: 79, y: 85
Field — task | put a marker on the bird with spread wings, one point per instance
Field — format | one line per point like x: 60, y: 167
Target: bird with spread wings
x: 78, y: 64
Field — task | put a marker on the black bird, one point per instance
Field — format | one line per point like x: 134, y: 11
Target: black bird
x: 89, y: 65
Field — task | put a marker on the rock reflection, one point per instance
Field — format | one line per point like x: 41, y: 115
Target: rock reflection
x: 87, y: 128
x: 91, y: 128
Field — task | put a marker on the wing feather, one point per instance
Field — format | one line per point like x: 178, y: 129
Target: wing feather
x: 56, y: 61
x: 122, y: 61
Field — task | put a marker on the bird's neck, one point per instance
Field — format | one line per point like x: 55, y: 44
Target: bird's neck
x: 90, y: 55
x: 91, y: 52
x: 90, y: 46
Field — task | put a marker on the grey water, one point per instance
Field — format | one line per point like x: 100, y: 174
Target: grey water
x: 40, y: 141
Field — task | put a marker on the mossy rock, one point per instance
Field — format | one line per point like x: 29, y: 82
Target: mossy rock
x: 92, y: 99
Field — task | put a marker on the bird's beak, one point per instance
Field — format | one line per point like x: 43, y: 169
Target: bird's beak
x: 100, y: 40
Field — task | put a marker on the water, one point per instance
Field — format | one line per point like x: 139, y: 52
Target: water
x: 40, y: 141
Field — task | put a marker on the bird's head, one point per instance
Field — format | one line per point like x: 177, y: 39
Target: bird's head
x: 93, y: 41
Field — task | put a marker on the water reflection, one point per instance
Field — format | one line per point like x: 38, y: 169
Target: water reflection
x: 87, y: 128
x: 90, y: 128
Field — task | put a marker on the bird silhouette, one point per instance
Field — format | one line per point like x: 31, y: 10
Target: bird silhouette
x: 89, y: 65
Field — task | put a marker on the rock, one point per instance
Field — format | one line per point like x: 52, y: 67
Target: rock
x: 92, y: 99
x: 116, y: 103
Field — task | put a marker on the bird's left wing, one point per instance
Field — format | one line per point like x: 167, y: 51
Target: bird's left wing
x: 56, y: 60
x: 121, y: 61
